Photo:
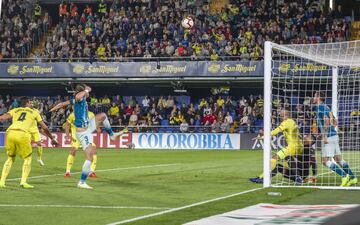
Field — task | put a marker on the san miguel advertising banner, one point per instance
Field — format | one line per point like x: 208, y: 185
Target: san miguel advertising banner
x: 163, y: 69
x: 132, y: 69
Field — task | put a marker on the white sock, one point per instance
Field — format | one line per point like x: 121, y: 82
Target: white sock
x: 106, y: 123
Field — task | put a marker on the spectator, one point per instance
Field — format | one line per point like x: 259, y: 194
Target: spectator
x: 220, y: 101
x: 14, y: 104
x: 118, y: 100
x: 206, y: 110
x: 179, y: 117
x: 209, y: 119
x: 170, y: 102
x: 133, y: 119
x: 63, y: 9
x: 145, y: 103
x: 128, y: 111
x: 228, y: 119
x: 73, y: 10
x: 203, y: 103
x: 3, y: 109
x: 105, y: 100
x: 102, y: 8
x: 132, y: 101
x: 114, y: 111
x: 87, y: 10
x: 93, y: 100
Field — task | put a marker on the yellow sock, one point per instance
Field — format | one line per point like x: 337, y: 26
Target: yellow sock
x: 69, y: 162
x: 26, y: 170
x: 93, y: 164
x: 39, y: 152
x: 273, y: 165
x: 6, y: 169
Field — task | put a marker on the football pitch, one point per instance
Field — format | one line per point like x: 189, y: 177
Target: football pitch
x: 148, y: 187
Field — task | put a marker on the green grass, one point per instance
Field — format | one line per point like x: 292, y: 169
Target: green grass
x: 148, y: 178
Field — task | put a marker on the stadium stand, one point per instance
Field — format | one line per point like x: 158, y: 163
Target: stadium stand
x: 145, y: 29
x: 170, y: 114
x: 22, y: 26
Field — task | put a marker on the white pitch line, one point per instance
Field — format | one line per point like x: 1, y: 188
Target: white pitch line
x: 104, y: 170
x: 182, y: 207
x: 85, y: 206
x: 318, y: 175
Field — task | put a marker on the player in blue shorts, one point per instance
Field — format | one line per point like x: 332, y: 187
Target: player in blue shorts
x: 330, y: 148
x: 85, y: 127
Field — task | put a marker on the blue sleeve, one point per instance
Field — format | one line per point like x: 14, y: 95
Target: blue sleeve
x: 71, y: 101
x: 327, y: 113
x: 319, y: 112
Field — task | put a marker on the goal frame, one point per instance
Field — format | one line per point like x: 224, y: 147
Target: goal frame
x: 268, y: 49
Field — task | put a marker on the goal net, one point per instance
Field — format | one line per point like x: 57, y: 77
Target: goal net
x: 294, y: 74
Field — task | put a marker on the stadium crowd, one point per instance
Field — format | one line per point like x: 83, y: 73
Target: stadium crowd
x: 163, y: 114
x: 148, y: 28
x: 22, y: 25
x: 152, y: 29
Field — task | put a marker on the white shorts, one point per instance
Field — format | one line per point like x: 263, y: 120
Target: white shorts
x: 86, y: 138
x: 332, y: 148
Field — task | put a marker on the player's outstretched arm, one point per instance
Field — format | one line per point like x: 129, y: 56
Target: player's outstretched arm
x: 59, y: 106
x: 277, y: 130
x: 48, y: 133
x: 5, y: 116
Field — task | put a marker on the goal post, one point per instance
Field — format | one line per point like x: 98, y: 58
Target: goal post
x: 292, y: 75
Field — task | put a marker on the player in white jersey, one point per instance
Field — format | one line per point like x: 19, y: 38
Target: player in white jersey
x: 85, y: 127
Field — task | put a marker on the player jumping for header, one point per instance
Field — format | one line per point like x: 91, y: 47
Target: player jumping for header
x: 330, y: 148
x: 85, y: 127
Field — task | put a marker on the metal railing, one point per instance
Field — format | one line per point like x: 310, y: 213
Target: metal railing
x: 27, y: 47
x: 126, y: 59
x: 172, y: 128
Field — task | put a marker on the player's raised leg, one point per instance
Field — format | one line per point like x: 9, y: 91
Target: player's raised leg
x: 103, y: 121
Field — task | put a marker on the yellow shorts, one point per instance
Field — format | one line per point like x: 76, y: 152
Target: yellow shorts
x: 289, y: 151
x: 35, y: 136
x: 18, y: 143
x: 75, y: 143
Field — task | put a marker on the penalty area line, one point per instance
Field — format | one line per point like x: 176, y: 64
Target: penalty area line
x: 84, y: 206
x: 104, y: 170
x: 183, y: 207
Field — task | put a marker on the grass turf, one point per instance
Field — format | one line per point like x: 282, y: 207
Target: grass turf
x: 157, y: 179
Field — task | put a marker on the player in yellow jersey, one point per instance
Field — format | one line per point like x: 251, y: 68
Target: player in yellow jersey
x: 35, y: 135
x: 294, y: 145
x: 18, y: 139
x: 70, y: 131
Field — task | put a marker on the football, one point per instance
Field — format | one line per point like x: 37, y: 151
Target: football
x: 187, y: 22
